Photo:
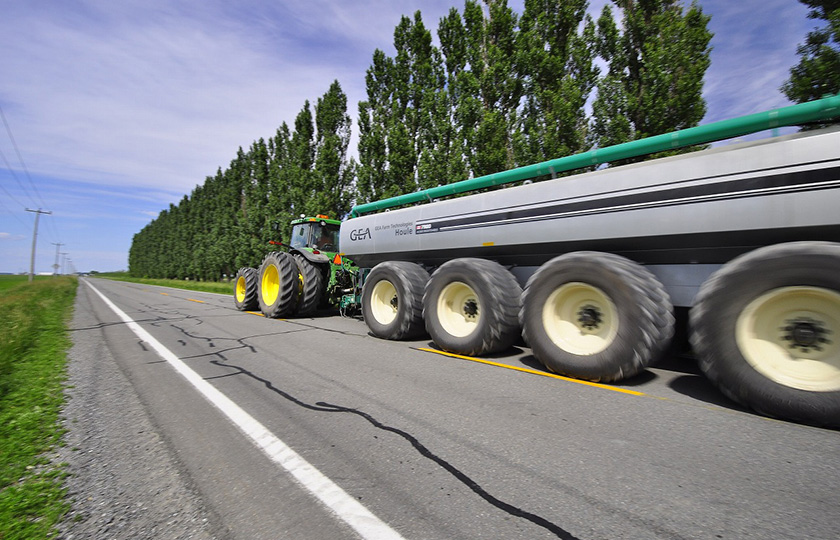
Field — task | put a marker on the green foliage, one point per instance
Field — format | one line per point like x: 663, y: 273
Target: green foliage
x: 558, y: 63
x: 333, y: 174
x: 516, y: 88
x: 33, y: 345
x: 818, y: 72
x: 405, y: 129
x: 657, y: 58
x: 491, y: 87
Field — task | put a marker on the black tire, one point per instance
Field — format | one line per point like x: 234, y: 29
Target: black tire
x: 471, y: 307
x: 278, y: 285
x: 766, y: 331
x: 392, y: 300
x: 245, y: 289
x: 595, y: 316
x: 311, y: 285
x: 665, y: 316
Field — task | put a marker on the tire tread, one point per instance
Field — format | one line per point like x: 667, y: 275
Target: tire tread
x: 288, y: 294
x: 657, y: 326
x: 251, y: 301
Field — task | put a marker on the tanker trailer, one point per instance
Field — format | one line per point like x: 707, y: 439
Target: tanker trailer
x: 587, y: 268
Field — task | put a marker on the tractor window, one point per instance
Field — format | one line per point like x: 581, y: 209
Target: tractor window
x: 300, y: 235
x: 325, y: 237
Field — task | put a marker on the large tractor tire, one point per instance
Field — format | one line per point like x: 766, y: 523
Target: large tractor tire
x: 279, y: 285
x: 766, y: 331
x: 245, y: 289
x: 471, y: 307
x: 311, y: 285
x: 392, y: 300
x: 595, y: 316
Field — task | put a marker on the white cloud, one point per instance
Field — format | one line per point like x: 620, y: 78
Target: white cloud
x: 150, y: 100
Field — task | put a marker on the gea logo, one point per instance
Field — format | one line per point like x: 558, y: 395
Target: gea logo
x: 360, y: 234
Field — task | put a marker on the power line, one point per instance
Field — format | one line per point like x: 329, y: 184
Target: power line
x: 11, y: 212
x: 9, y: 167
x: 12, y: 197
x: 28, y: 176
x: 20, y: 157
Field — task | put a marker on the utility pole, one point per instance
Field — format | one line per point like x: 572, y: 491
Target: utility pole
x: 38, y: 213
x: 64, y: 255
x: 55, y: 266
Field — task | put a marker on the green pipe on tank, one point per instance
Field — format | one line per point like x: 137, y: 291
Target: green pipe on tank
x: 811, y: 111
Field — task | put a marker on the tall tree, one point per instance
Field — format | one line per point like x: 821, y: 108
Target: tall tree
x: 301, y: 160
x: 818, y: 72
x: 280, y: 205
x: 402, y: 138
x: 452, y: 141
x: 490, y: 88
x: 374, y: 179
x: 657, y: 59
x: 333, y: 175
x: 557, y: 61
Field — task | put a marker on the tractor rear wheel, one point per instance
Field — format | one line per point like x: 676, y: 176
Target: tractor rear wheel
x: 279, y: 287
x: 245, y: 289
x: 311, y: 286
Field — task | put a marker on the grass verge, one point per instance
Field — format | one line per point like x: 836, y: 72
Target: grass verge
x: 33, y: 353
x: 204, y: 286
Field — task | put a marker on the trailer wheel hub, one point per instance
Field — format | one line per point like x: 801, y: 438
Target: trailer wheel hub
x: 580, y: 318
x: 786, y: 334
x: 805, y: 334
x: 470, y: 308
x: 458, y: 309
x: 589, y: 317
x: 384, y: 302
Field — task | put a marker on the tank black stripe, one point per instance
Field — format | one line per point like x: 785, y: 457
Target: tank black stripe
x: 777, y: 184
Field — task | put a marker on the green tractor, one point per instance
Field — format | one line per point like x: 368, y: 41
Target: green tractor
x: 306, y: 274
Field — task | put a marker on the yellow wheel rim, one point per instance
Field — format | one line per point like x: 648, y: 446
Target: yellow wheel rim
x: 270, y: 285
x: 791, y: 335
x: 240, y: 289
x: 458, y: 309
x: 580, y: 319
x: 384, y: 302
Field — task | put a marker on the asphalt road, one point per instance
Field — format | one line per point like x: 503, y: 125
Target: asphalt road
x: 439, y: 447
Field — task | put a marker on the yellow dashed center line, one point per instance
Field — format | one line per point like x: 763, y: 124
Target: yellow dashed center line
x: 255, y: 313
x: 165, y: 294
x: 535, y: 372
x: 193, y: 300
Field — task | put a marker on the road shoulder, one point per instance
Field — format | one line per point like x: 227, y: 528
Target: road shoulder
x: 125, y: 481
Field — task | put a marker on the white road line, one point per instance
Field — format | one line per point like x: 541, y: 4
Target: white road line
x: 345, y: 507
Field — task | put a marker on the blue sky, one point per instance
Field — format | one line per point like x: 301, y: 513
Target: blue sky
x: 119, y: 108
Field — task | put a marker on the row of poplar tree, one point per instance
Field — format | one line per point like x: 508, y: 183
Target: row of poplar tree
x: 500, y: 90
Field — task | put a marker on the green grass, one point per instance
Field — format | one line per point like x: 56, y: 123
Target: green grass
x: 204, y: 286
x: 7, y: 281
x: 33, y: 352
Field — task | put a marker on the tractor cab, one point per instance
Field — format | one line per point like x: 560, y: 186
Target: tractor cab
x: 318, y: 233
